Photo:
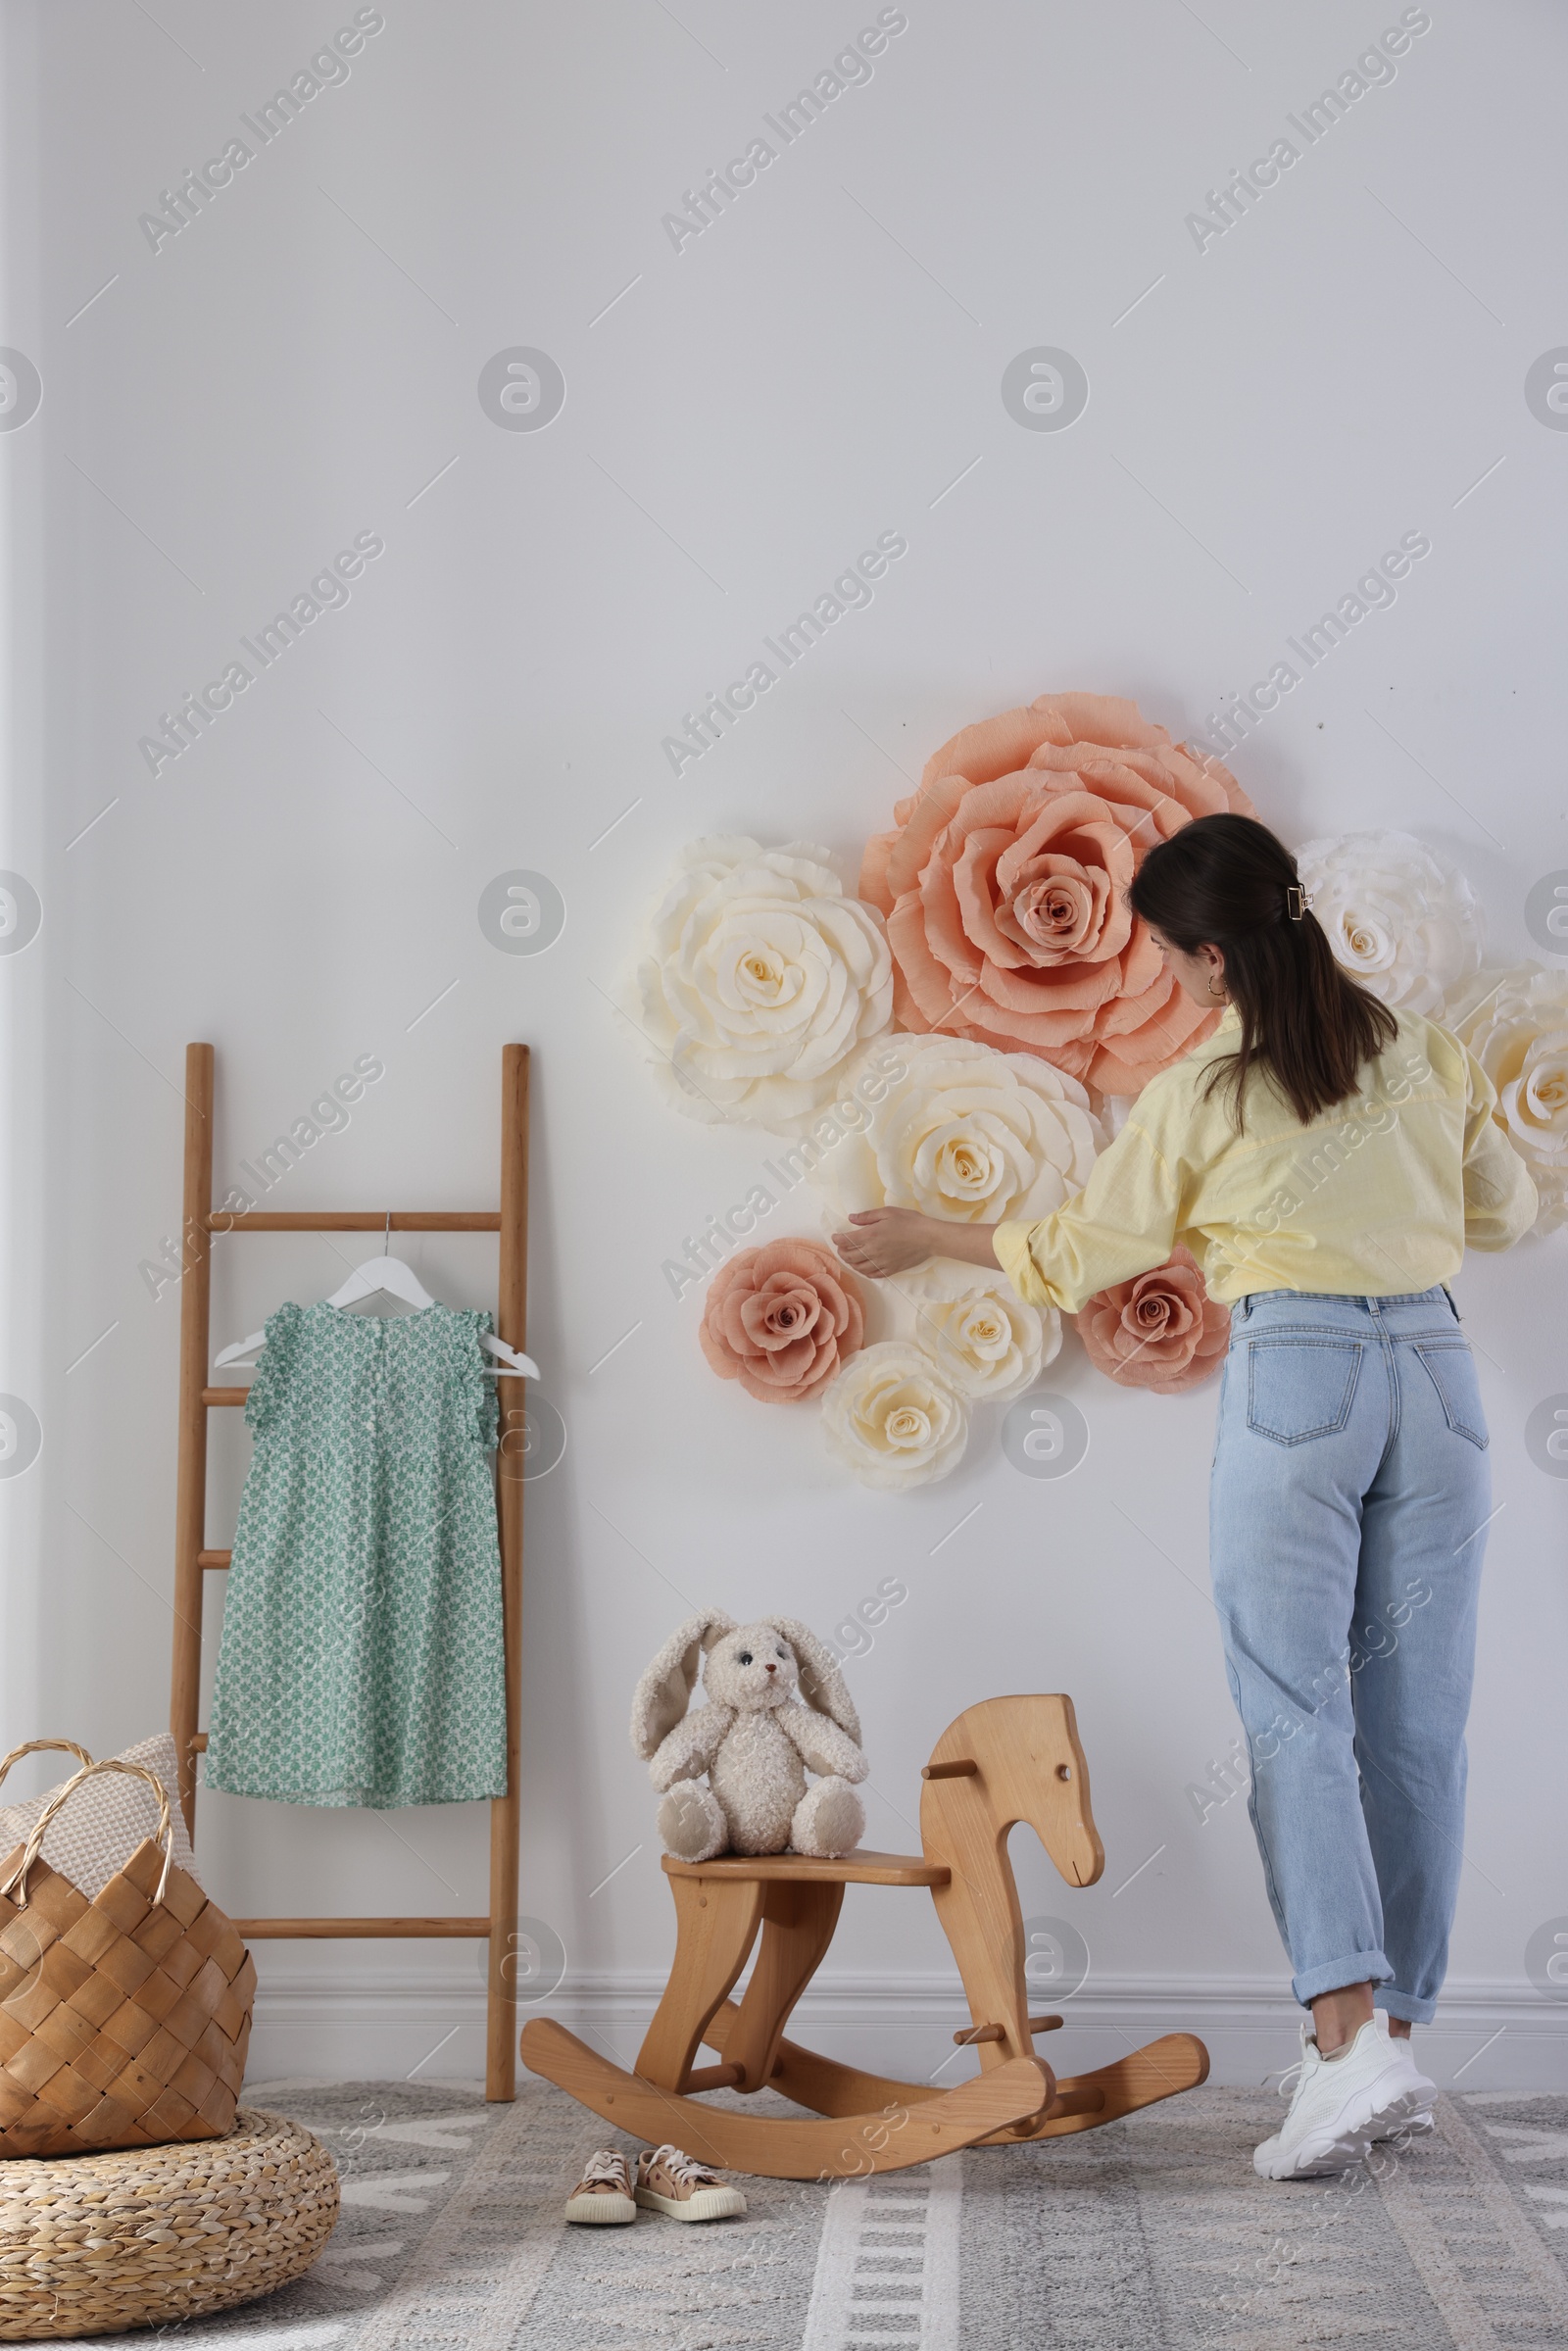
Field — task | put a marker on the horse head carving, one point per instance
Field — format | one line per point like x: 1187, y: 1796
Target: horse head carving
x: 1003, y: 1761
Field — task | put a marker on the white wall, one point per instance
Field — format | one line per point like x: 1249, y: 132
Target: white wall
x: 295, y: 367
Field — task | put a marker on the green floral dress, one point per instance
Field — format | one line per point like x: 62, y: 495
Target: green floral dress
x: 361, y: 1660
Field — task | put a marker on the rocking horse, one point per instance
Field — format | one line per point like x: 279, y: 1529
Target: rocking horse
x: 1003, y: 1761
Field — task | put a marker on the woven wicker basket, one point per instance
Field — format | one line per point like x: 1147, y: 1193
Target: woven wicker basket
x: 96, y: 2244
x: 124, y: 2020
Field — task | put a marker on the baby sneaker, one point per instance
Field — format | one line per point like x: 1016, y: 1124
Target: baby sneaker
x: 1341, y: 2104
x: 668, y: 2179
x: 603, y: 2193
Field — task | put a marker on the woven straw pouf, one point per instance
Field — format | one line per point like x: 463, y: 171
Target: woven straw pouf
x: 95, y: 2244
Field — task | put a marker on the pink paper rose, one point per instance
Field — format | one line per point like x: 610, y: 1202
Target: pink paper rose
x: 1162, y: 1331
x: 782, y: 1320
x: 1005, y: 887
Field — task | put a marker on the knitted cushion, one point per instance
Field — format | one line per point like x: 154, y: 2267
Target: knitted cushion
x: 105, y: 1821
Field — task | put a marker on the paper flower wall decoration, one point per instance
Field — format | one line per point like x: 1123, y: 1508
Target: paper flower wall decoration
x: 1162, y: 1331
x: 1405, y: 924
x: 893, y: 1420
x: 760, y: 979
x: 932, y: 1044
x: 1518, y: 1031
x: 983, y: 1339
x: 966, y: 1133
x: 782, y: 1320
x: 1005, y: 883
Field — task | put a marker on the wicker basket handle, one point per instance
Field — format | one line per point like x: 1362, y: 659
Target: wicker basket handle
x: 35, y: 1747
x: 16, y: 1885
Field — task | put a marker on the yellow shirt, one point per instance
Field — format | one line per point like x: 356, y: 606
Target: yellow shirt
x: 1376, y: 1197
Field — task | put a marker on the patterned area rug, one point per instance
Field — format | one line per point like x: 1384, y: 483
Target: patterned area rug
x: 1152, y: 2234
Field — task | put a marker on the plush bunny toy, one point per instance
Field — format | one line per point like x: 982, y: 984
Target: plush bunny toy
x: 777, y: 1706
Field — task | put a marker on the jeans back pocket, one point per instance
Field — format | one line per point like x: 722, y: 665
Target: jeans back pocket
x: 1300, y: 1388
x: 1452, y: 1371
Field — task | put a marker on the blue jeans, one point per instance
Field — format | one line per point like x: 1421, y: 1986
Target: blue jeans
x: 1347, y: 1517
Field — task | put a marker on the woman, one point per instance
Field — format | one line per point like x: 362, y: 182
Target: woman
x: 1326, y: 1162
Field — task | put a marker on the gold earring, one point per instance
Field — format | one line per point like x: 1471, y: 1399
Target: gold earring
x: 1217, y: 993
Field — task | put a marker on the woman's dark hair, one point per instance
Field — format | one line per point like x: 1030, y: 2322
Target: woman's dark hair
x: 1226, y: 881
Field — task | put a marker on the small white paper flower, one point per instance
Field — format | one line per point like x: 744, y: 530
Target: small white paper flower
x: 984, y: 1339
x: 1404, y: 923
x: 892, y: 1418
x: 1518, y: 1032
x: 963, y: 1132
x: 759, y: 981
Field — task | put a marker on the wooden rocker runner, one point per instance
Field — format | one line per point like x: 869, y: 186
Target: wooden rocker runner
x: 1003, y: 1761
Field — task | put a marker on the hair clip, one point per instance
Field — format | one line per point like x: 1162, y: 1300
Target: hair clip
x: 1297, y: 901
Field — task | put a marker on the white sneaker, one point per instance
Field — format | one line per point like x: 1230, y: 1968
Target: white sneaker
x: 1339, y: 2105
x: 1413, y: 2124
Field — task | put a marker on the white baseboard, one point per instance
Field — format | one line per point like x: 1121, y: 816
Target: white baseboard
x: 414, y: 2021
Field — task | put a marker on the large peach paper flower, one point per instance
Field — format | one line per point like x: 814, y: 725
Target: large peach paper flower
x: 782, y: 1320
x: 1005, y: 887
x: 1162, y: 1331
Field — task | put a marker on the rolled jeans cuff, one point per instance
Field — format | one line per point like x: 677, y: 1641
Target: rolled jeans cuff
x: 1335, y: 1975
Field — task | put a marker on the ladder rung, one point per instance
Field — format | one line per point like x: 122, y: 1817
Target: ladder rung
x: 356, y: 1220
x: 224, y: 1396
x: 469, y: 1930
x: 214, y: 1558
x: 257, y: 1930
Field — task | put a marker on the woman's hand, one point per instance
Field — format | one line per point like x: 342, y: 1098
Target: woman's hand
x: 889, y: 1240
x: 886, y: 1241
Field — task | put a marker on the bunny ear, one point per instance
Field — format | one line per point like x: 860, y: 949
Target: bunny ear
x: 822, y: 1685
x: 663, y: 1693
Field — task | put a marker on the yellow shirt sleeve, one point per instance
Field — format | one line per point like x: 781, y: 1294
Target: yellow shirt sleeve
x: 1123, y: 1223
x: 1500, y: 1201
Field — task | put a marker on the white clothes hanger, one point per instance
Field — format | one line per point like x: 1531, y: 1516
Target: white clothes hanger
x: 383, y: 1273
x: 398, y: 1279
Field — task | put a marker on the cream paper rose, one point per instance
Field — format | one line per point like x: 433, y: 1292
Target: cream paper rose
x: 892, y: 1418
x: 1516, y: 1024
x: 1405, y: 924
x: 983, y: 1339
x: 1005, y: 883
x: 966, y: 1132
x: 759, y: 981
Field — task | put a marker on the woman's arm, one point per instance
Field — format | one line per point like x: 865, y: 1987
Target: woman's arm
x: 889, y: 1240
x: 1124, y: 1221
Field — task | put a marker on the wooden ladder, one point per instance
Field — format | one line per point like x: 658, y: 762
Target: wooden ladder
x: 193, y: 1561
